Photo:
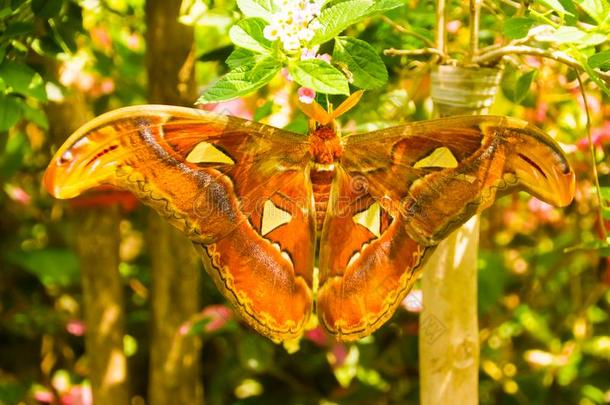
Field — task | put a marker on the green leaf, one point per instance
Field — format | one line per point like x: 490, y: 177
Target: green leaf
x: 591, y: 72
x: 263, y: 111
x: 518, y: 27
x: 605, y: 193
x: 333, y: 20
x: 18, y: 29
x: 23, y: 79
x: 2, y: 53
x: 35, y: 115
x: 382, y: 6
x: 241, y: 81
x: 523, y: 85
x: 573, y: 35
x: 240, y: 57
x: 53, y: 267
x: 554, y: 5
x: 10, y: 111
x: 256, y: 8
x: 600, y: 60
x: 15, y: 150
x: 319, y: 76
x: 46, y: 8
x: 366, y: 67
x: 596, y: 9
x: 5, y: 12
x: 248, y: 34
x: 571, y: 18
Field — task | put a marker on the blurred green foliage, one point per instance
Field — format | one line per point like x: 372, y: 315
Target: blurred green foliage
x: 544, y: 273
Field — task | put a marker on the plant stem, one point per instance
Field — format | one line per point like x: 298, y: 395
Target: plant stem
x: 493, y: 56
x: 413, y: 52
x: 441, y: 27
x: 475, y: 14
x: 405, y: 30
x: 600, y: 200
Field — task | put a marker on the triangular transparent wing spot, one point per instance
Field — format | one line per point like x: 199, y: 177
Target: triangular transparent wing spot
x: 273, y: 217
x: 205, y: 152
x: 440, y: 157
x: 370, y: 219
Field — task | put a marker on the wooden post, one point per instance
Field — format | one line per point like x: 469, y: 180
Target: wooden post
x: 449, y: 337
x: 175, y: 363
x: 97, y: 246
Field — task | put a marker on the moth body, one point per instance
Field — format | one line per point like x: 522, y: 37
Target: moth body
x: 326, y: 150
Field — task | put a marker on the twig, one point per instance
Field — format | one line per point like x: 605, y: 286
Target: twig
x: 600, y: 200
x: 440, y: 35
x: 514, y: 4
x: 413, y: 52
x: 405, y: 30
x: 494, y: 56
x: 475, y: 17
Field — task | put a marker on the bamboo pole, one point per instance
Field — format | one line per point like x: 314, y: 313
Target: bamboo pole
x: 449, y: 341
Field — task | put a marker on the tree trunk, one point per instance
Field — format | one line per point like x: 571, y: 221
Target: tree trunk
x: 449, y: 337
x: 175, y: 366
x: 97, y: 245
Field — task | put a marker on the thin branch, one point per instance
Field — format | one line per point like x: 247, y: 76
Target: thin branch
x: 414, y: 52
x: 440, y: 35
x: 494, y: 56
x: 475, y: 17
x: 407, y: 31
x: 514, y: 4
x: 600, y: 200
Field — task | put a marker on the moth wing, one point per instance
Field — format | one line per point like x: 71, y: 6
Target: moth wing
x: 398, y: 192
x: 237, y: 188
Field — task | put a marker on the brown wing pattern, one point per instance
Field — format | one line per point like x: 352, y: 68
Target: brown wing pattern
x: 400, y: 191
x: 238, y: 189
x: 479, y: 156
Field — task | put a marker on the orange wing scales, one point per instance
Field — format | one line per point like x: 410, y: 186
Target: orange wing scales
x: 253, y: 199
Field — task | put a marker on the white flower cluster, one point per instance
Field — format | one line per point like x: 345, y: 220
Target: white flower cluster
x: 294, y: 23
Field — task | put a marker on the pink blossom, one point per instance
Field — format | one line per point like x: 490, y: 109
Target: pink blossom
x: 541, y: 111
x: 218, y: 315
x: 324, y: 57
x: 133, y: 41
x: 317, y: 335
x: 339, y: 351
x: 307, y: 53
x: 107, y: 86
x: 76, y: 327
x: 287, y: 75
x: 85, y: 81
x: 599, y: 137
x: 454, y: 26
x: 44, y: 396
x: 533, y: 61
x: 237, y: 108
x: 78, y: 395
x: 101, y: 37
x: 306, y: 95
x: 18, y: 194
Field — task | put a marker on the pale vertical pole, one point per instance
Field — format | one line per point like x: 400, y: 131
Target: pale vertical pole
x: 449, y: 337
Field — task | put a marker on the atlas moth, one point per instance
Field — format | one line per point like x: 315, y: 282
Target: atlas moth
x: 265, y: 206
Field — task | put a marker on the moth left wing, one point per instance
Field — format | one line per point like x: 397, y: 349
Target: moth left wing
x: 436, y: 174
x: 399, y: 192
x: 237, y: 188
